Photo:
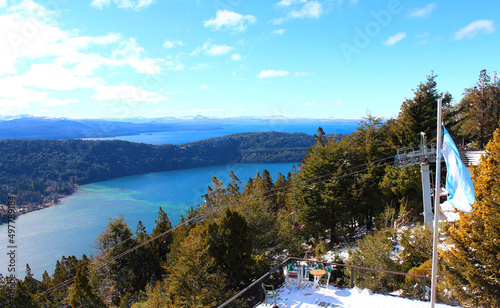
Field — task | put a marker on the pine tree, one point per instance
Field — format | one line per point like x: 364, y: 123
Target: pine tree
x: 402, y: 187
x: 472, y: 263
x: 374, y: 251
x: 233, y: 186
x: 281, y: 197
x: 22, y: 297
x: 267, y: 187
x: 419, y: 114
x: 230, y: 245
x: 160, y: 247
x: 141, y: 235
x: 115, y: 278
x: 320, y: 204
x: 368, y: 146
x: 83, y: 295
x: 31, y: 283
x: 478, y: 112
x: 193, y: 279
x: 416, y: 247
x: 142, y: 261
x: 28, y: 271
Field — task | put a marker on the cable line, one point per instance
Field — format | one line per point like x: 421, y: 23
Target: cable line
x: 203, y: 215
x: 111, y: 247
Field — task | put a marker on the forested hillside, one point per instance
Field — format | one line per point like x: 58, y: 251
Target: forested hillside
x: 347, y: 192
x: 36, y: 169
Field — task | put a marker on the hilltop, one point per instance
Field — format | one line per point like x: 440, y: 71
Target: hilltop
x: 39, y: 172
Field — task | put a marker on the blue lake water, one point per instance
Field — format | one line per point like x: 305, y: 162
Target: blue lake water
x: 178, y: 137
x: 69, y: 228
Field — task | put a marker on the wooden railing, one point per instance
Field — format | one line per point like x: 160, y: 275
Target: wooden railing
x: 253, y: 294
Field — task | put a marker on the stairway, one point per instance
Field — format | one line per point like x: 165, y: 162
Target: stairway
x: 470, y: 157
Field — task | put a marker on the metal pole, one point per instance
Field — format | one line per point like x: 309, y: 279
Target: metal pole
x: 435, y: 252
x: 352, y: 277
x: 426, y: 193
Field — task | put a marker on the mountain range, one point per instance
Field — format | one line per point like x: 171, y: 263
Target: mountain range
x: 33, y: 127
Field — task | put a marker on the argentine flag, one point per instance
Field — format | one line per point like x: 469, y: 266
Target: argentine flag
x: 458, y: 181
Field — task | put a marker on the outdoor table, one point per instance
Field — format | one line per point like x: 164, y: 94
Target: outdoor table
x: 317, y: 273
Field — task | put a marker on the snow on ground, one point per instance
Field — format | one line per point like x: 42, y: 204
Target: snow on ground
x: 306, y: 297
x: 449, y: 212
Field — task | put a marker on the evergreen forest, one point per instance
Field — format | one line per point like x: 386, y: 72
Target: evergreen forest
x: 346, y: 191
x: 41, y: 171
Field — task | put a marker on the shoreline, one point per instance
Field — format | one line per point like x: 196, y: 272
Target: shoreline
x: 28, y: 208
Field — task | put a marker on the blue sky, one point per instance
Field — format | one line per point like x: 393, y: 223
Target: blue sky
x: 292, y: 58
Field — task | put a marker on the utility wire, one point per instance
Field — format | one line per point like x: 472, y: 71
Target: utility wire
x: 337, y: 172
x: 330, y: 179
x: 115, y: 245
x: 203, y: 215
x: 94, y: 268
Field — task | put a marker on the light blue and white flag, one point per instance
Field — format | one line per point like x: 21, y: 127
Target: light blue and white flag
x: 458, y: 181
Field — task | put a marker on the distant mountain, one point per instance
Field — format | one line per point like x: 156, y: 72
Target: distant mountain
x: 31, y: 127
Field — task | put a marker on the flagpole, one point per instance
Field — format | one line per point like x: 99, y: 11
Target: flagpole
x: 437, y: 194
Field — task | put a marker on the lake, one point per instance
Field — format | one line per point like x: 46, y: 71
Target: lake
x: 70, y: 227
x: 178, y: 137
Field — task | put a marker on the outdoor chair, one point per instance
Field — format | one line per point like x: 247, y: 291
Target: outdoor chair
x: 295, y: 275
x: 269, y: 292
x: 304, y: 274
x: 327, y: 276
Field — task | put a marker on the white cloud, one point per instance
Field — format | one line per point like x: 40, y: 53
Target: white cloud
x: 230, y: 20
x: 125, y: 92
x: 212, y: 49
x: 278, y: 21
x: 53, y: 76
x: 286, y: 3
x: 273, y: 73
x: 33, y: 11
x: 394, y: 39
x: 145, y: 66
x: 423, y: 38
x: 13, y: 94
x: 100, y: 4
x: 217, y: 50
x: 129, y: 52
x: 3, y: 3
x: 278, y: 31
x: 236, y: 57
x: 205, y: 87
x: 423, y: 12
x: 128, y: 49
x: 22, y: 37
x: 170, y: 44
x: 298, y: 74
x: 123, y: 4
x: 311, y: 9
x: 86, y: 41
x: 474, y: 28
x: 309, y: 103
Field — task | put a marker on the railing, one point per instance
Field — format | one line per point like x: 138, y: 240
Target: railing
x: 254, y: 294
